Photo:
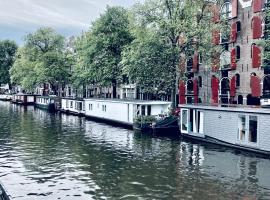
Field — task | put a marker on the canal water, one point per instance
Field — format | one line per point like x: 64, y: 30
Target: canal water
x: 53, y: 156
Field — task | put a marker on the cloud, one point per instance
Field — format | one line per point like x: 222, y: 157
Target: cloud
x: 68, y: 15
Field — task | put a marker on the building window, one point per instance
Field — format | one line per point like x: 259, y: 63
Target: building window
x: 253, y: 126
x: 71, y: 104
x: 238, y: 51
x: 237, y: 80
x: 200, y: 81
x: 238, y: 26
x: 226, y: 11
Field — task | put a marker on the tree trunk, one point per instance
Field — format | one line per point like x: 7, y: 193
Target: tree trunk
x: 114, y: 89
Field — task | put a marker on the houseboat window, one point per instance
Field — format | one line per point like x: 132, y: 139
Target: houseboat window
x: 148, y: 110
x: 90, y: 106
x: 242, y: 127
x: 104, y: 108
x: 138, y: 110
x: 253, y: 125
x: 191, y: 120
x: 199, y: 122
x: 184, y: 120
x: 143, y: 110
x: 66, y: 104
x: 71, y: 104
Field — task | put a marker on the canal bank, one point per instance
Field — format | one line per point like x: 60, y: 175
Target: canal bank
x: 55, y: 156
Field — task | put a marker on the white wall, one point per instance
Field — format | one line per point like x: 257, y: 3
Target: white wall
x: 117, y: 111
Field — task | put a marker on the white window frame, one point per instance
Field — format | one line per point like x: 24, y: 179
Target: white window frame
x: 182, y: 110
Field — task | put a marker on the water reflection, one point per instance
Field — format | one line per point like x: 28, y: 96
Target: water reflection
x: 53, y: 156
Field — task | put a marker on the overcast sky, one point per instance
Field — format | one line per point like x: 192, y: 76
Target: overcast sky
x: 68, y: 17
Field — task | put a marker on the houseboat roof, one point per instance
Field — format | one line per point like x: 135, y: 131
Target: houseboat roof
x: 227, y: 108
x: 130, y: 101
x: 47, y: 97
x: 72, y: 98
x: 21, y: 94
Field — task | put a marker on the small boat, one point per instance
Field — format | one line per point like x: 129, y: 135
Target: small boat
x: 168, y: 126
x: 3, y: 193
x: 46, y: 102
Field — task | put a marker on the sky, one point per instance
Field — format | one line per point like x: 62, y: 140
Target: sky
x: 67, y: 17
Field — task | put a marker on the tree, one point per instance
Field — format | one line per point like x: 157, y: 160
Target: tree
x: 100, y: 51
x: 183, y: 27
x: 266, y: 41
x: 147, y: 61
x: 45, y: 58
x: 7, y: 56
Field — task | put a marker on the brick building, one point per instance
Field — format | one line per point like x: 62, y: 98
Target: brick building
x: 237, y: 75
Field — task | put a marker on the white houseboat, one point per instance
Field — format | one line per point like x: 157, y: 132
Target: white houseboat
x: 24, y: 99
x: 46, y: 102
x: 5, y: 97
x: 241, y: 127
x: 73, y: 106
x: 123, y: 112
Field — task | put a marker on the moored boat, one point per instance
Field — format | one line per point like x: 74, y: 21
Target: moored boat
x: 24, y: 99
x: 5, y: 97
x: 46, y: 102
x: 244, y: 128
x: 123, y: 112
x: 75, y: 106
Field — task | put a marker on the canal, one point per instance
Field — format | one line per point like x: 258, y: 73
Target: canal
x: 53, y: 156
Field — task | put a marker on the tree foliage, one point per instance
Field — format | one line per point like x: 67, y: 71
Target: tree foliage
x: 165, y: 31
x: 42, y: 59
x: 99, y: 50
x: 7, y: 57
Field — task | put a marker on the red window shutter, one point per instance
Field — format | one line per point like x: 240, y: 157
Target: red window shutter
x: 233, y: 59
x: 195, y: 90
x: 257, y: 5
x: 257, y: 27
x: 215, y: 37
x: 234, y: 8
x: 255, y: 85
x: 256, y: 56
x: 233, y: 87
x: 215, y: 86
x: 233, y: 32
x: 195, y: 62
x: 182, y: 92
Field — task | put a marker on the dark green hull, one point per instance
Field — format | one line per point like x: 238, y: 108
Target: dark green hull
x: 49, y: 107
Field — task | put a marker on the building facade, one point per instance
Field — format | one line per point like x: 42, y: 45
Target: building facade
x: 237, y: 75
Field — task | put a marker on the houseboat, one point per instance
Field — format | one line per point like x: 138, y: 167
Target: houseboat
x: 5, y: 97
x: 24, y: 99
x: 46, y: 102
x: 123, y: 112
x: 245, y: 128
x: 75, y: 106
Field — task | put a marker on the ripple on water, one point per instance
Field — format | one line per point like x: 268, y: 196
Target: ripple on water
x: 53, y: 156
